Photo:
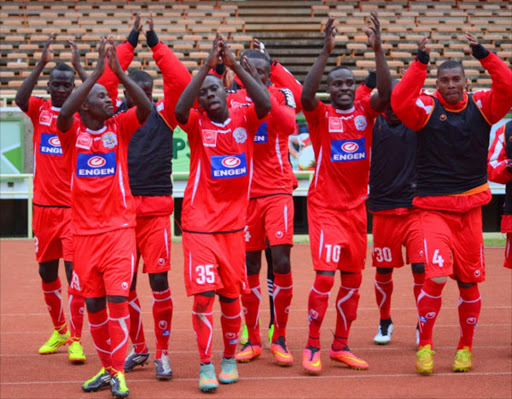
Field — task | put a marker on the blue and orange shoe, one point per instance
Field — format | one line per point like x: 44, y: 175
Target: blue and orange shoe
x: 207, y: 378
x: 280, y: 351
x: 229, y: 371
x: 347, y: 357
x: 311, y: 360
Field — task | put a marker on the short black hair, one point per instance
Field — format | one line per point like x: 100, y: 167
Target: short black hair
x: 140, y: 76
x: 61, y: 66
x: 451, y: 64
x: 255, y: 54
x: 337, y: 68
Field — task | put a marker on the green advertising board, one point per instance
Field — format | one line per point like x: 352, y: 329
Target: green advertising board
x: 11, y: 146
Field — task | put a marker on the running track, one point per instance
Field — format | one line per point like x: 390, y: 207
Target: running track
x: 25, y: 325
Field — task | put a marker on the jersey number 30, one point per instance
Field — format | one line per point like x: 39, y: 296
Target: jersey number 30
x: 205, y: 274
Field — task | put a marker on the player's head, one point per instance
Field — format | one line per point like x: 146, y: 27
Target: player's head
x: 98, y: 105
x: 451, y: 81
x: 213, y: 98
x: 144, y: 81
x: 61, y: 83
x: 260, y: 62
x: 341, y: 85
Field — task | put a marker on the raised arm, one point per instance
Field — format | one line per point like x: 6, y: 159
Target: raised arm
x: 25, y: 91
x: 309, y: 100
x: 75, y: 100
x: 495, y: 103
x: 409, y: 106
x: 140, y: 99
x: 189, y: 95
x: 380, y: 100
x: 175, y: 75
x: 75, y: 60
x: 255, y: 88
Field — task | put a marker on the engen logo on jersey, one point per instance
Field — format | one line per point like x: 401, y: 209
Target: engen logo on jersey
x: 228, y: 166
x: 50, y: 144
x: 94, y: 165
x: 348, y: 150
x: 261, y: 134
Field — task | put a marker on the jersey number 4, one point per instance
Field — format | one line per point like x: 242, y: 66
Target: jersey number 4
x: 437, y: 259
x: 205, y: 274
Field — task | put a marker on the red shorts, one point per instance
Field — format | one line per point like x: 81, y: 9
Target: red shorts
x: 338, y: 238
x: 508, y: 252
x: 390, y: 233
x: 52, y: 234
x: 153, y: 237
x: 104, y: 263
x: 269, y: 217
x: 215, y: 262
x: 454, y: 244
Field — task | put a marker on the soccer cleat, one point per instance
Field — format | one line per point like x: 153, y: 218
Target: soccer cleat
x: 135, y: 359
x: 54, y: 343
x: 207, y: 379
x: 229, y: 371
x: 118, y: 386
x: 100, y: 380
x: 270, y: 333
x: 163, y: 368
x: 76, y: 353
x: 244, y: 335
x: 463, y: 360
x: 249, y: 352
x: 311, y: 360
x: 347, y: 357
x: 281, y: 353
x: 383, y: 336
x: 425, y: 359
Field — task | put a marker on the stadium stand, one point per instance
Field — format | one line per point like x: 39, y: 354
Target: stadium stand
x: 291, y: 30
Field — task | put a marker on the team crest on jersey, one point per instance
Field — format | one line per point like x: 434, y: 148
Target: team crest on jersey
x: 109, y: 139
x: 209, y: 138
x: 84, y: 140
x: 228, y: 166
x: 50, y: 144
x: 335, y: 125
x: 360, y: 122
x: 262, y: 134
x: 45, y: 118
x: 348, y: 150
x: 96, y: 165
x: 240, y: 135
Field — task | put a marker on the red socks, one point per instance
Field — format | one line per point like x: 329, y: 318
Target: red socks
x: 231, y: 322
x: 136, y: 329
x: 419, y: 280
x: 202, y: 320
x: 76, y: 314
x: 162, y: 315
x: 53, y: 298
x: 470, y: 303
x: 251, y: 307
x: 282, y: 294
x: 118, y: 325
x: 346, y: 308
x: 317, y: 306
x: 383, y: 291
x: 98, y: 324
x: 429, y: 304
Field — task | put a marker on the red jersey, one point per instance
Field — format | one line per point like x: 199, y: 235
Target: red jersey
x: 100, y: 191
x: 498, y: 159
x: 51, y: 178
x: 341, y: 142
x: 273, y: 172
x: 217, y: 192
